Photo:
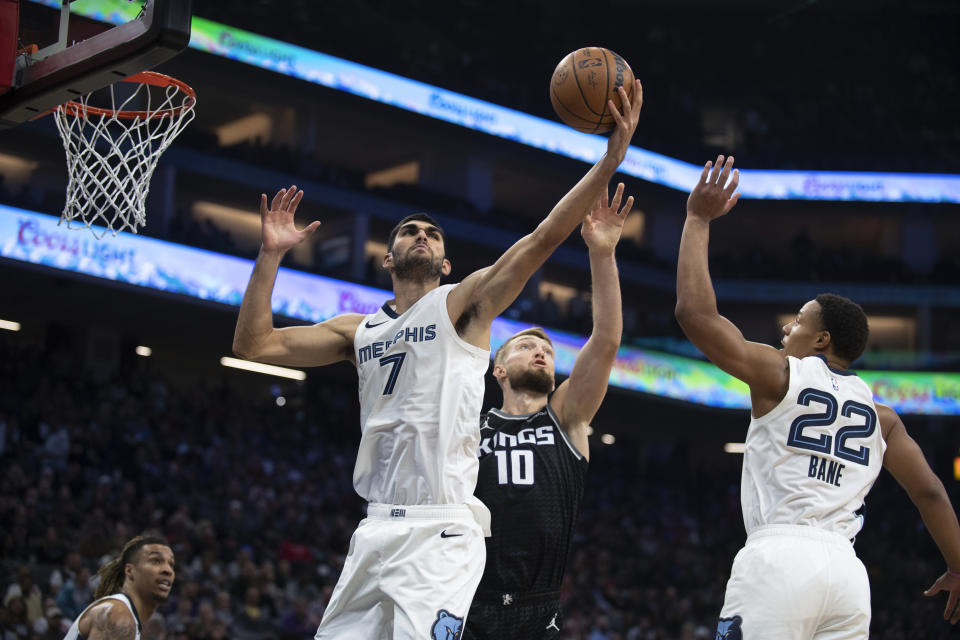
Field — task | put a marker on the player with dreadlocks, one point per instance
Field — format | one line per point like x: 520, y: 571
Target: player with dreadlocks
x: 131, y: 587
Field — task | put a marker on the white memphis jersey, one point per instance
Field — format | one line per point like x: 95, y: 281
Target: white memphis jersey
x: 421, y: 390
x: 73, y: 633
x: 812, y: 460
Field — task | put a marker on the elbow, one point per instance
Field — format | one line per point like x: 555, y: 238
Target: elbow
x: 682, y: 312
x: 240, y: 351
x: 546, y: 238
x: 930, y: 492
x: 609, y: 346
x: 693, y: 321
x: 244, y: 348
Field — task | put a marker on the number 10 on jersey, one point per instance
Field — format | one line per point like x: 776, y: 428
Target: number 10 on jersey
x: 514, y: 466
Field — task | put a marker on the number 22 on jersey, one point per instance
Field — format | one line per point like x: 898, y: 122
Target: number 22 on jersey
x: 862, y: 421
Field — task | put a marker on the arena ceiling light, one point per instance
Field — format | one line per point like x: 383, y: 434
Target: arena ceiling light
x: 735, y: 447
x: 259, y: 367
x: 9, y: 325
x: 144, y: 351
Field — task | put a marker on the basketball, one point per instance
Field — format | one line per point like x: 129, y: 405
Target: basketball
x: 583, y: 82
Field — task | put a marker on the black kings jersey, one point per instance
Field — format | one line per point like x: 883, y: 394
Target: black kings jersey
x: 531, y: 478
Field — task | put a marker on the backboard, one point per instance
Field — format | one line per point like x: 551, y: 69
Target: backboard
x: 33, y: 82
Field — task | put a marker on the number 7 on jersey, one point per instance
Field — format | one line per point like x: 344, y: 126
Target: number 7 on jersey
x: 397, y: 361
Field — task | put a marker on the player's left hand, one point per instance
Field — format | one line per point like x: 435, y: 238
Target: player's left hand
x: 713, y: 196
x: 950, y: 584
x: 602, y: 227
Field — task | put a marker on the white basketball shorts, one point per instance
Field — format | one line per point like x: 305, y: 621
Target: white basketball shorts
x: 410, y: 573
x: 795, y: 582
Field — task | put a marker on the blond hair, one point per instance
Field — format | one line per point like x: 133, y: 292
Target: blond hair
x: 501, y: 353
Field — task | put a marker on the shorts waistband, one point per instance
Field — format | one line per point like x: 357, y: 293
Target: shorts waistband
x: 798, y: 530
x: 418, y: 511
x: 512, y: 598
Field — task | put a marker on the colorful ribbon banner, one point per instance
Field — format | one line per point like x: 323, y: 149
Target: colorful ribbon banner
x: 388, y: 88
x: 38, y: 239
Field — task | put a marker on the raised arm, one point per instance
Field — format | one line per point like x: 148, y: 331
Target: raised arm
x: 905, y: 461
x: 760, y: 366
x: 485, y: 294
x: 255, y: 337
x: 578, y: 398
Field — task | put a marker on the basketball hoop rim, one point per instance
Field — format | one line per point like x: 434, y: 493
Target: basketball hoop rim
x: 76, y: 109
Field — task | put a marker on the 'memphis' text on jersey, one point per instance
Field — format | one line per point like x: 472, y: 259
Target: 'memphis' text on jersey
x: 409, y: 334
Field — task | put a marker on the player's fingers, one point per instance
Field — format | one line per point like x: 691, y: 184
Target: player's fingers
x: 277, y: 198
x: 717, y: 169
x: 617, y: 117
x: 617, y: 197
x: 934, y: 589
x: 725, y: 173
x: 706, y: 171
x: 263, y: 204
x: 604, y: 200
x: 734, y: 182
x: 295, y: 202
x: 627, y: 207
x: 731, y: 203
x: 637, y: 95
x: 285, y: 201
x: 951, y: 613
x: 310, y: 228
x: 626, y: 109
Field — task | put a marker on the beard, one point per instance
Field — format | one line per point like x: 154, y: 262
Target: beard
x: 417, y: 267
x: 535, y: 380
x: 159, y: 598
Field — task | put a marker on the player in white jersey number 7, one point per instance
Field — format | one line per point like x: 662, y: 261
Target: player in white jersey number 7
x: 415, y: 560
x: 814, y: 448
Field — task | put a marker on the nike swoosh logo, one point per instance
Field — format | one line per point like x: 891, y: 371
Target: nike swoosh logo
x: 444, y: 534
x: 371, y: 326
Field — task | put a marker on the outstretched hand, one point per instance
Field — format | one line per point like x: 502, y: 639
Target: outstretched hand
x: 602, y: 227
x: 950, y: 584
x: 277, y: 229
x: 713, y: 196
x: 626, y: 121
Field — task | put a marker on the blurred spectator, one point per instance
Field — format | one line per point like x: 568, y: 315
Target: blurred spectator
x: 75, y: 594
x: 28, y: 593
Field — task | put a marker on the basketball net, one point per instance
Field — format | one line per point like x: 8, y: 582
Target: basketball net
x: 112, y: 152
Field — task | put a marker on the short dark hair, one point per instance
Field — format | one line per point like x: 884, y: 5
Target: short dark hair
x: 847, y: 324
x: 422, y: 217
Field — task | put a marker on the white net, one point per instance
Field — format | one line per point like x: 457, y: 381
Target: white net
x: 113, y: 151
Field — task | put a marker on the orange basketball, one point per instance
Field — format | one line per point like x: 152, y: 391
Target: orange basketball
x: 583, y: 82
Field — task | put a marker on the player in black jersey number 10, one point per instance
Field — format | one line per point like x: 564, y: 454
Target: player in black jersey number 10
x: 534, y: 452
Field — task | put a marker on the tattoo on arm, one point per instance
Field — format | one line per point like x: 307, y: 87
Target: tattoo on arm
x: 117, y: 627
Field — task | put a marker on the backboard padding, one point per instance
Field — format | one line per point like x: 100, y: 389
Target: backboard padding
x: 158, y: 34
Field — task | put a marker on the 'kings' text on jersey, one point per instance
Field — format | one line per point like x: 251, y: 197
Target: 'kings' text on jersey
x: 531, y: 478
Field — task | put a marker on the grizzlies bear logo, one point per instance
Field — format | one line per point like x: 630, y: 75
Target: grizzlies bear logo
x: 729, y: 629
x: 447, y: 626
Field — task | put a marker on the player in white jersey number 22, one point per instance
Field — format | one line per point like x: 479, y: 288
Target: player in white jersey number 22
x: 814, y: 448
x: 415, y: 560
